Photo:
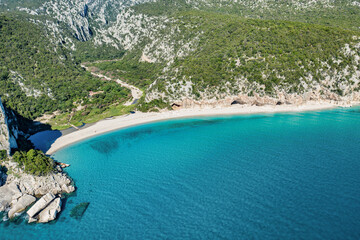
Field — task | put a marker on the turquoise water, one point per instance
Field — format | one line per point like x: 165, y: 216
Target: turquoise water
x: 268, y: 176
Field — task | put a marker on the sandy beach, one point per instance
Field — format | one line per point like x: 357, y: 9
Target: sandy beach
x: 138, y: 118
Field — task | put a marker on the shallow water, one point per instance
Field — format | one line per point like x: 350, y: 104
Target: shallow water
x: 270, y: 176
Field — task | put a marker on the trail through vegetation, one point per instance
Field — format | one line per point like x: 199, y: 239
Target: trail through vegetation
x: 135, y: 92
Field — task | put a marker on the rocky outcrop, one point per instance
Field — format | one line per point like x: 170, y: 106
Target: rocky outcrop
x: 8, y: 131
x: 56, y: 183
x: 7, y: 194
x: 50, y: 212
x: 21, y: 204
x: 41, y: 204
x: 21, y: 190
x: 45, y: 209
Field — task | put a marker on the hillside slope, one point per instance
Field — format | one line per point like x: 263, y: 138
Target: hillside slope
x: 38, y: 76
x: 202, y: 50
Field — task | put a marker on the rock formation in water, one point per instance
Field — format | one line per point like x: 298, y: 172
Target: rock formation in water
x: 50, y: 212
x: 41, y: 204
x: 21, y: 204
x: 21, y: 190
x: 45, y: 209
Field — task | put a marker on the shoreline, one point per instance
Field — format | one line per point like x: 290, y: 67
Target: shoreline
x: 139, y: 118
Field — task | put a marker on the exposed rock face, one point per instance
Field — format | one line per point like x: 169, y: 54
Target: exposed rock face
x: 21, y: 204
x: 50, y: 212
x: 41, y: 204
x: 7, y: 193
x: 21, y: 191
x: 45, y: 209
x: 55, y: 183
x: 266, y: 100
x: 82, y: 18
x: 8, y: 134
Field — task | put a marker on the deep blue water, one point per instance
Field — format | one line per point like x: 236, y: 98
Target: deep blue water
x: 268, y: 176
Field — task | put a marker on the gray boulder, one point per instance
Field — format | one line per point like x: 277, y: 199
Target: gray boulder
x: 7, y: 192
x: 55, y: 183
x: 67, y: 188
x: 41, y: 204
x: 22, y: 203
x: 31, y: 220
x: 50, y: 212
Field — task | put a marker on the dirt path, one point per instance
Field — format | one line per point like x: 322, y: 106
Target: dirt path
x: 135, y: 92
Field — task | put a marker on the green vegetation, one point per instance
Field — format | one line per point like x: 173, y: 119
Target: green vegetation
x: 3, y: 155
x: 265, y: 54
x: 236, y: 47
x: 152, y: 106
x: 63, y: 121
x: 274, y: 45
x: 340, y: 13
x: 140, y: 74
x: 37, y: 77
x: 271, y: 53
x: 24, y: 3
x: 87, y: 52
x: 34, y: 162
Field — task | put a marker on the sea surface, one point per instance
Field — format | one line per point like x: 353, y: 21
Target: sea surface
x: 264, y: 176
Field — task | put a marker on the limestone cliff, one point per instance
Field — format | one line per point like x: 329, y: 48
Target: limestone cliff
x: 8, y: 130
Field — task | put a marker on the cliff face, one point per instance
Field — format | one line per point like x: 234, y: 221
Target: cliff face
x: 8, y: 130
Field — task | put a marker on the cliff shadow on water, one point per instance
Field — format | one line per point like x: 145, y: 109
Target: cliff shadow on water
x: 27, y: 129
x: 16, y: 129
x: 44, y: 137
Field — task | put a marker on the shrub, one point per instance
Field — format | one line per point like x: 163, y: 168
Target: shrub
x: 34, y: 162
x: 3, y: 155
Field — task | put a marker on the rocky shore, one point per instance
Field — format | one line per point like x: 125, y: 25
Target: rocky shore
x: 258, y: 101
x: 18, y: 191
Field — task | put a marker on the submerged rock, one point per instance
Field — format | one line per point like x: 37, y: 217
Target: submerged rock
x: 78, y: 211
x: 40, y: 204
x: 22, y: 203
x: 50, y: 212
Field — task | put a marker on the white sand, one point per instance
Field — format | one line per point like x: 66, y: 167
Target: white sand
x: 141, y: 118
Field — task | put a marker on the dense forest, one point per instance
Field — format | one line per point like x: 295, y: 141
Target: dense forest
x: 340, y: 13
x: 37, y: 77
x: 267, y: 53
x: 34, y: 162
x: 270, y: 53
